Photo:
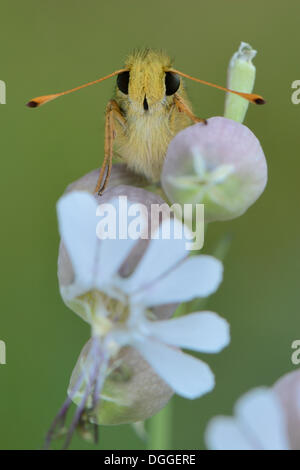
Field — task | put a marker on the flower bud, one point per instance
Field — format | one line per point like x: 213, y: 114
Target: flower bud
x: 241, y: 77
x: 132, y: 390
x: 120, y: 175
x: 220, y: 165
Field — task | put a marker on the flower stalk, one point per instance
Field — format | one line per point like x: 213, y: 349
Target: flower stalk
x: 160, y: 429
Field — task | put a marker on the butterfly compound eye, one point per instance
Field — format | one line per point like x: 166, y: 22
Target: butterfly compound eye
x: 172, y: 82
x: 123, y: 82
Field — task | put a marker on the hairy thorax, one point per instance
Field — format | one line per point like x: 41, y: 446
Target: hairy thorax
x: 142, y: 144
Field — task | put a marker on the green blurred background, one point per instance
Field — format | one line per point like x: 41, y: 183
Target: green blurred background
x: 49, y: 46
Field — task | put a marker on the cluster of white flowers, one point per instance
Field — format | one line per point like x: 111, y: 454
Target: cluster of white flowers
x: 128, y: 289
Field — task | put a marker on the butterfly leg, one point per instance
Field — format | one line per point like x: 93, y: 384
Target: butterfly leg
x: 183, y: 107
x: 112, y: 112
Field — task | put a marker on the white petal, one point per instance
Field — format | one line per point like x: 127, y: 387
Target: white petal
x: 223, y: 433
x: 114, y: 251
x: 160, y: 256
x: 186, y: 375
x: 77, y: 225
x: 200, y: 331
x: 260, y: 412
x: 94, y: 261
x: 258, y: 424
x: 197, y: 276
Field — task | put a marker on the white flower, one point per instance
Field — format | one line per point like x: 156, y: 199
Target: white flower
x: 287, y: 388
x: 259, y: 424
x: 119, y: 309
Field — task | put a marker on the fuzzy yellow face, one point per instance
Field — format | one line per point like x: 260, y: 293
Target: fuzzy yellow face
x: 147, y: 71
x: 145, y: 95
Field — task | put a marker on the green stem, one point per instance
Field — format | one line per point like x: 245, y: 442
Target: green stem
x: 160, y: 429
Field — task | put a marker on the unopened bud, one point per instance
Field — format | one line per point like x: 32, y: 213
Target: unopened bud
x: 241, y: 77
x: 132, y: 390
x: 220, y: 165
